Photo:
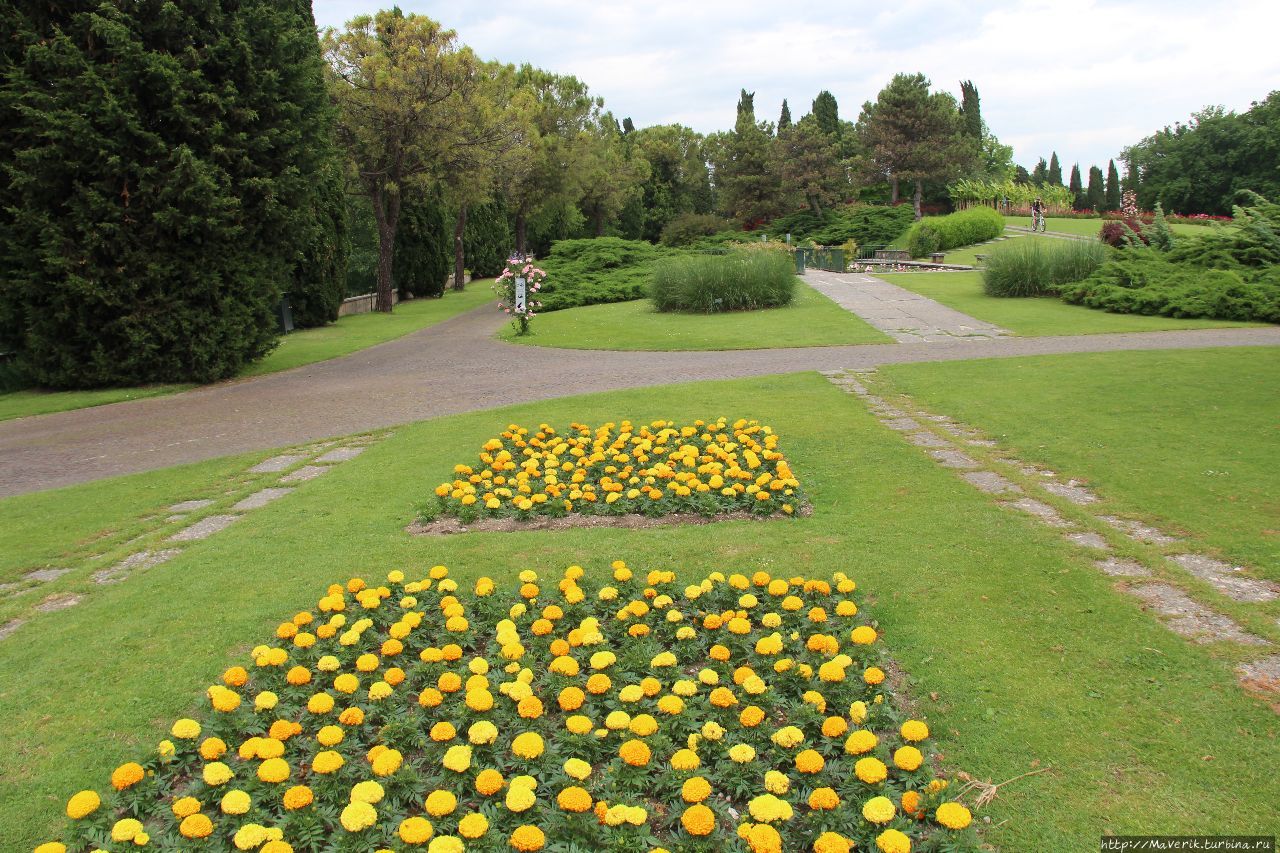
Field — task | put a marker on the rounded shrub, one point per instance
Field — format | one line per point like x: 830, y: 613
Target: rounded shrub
x: 963, y: 228
x: 924, y: 240
x: 740, y: 280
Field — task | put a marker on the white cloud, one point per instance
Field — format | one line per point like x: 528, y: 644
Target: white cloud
x: 1082, y: 77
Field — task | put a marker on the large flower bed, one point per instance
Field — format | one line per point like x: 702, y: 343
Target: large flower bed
x: 737, y: 713
x: 707, y: 467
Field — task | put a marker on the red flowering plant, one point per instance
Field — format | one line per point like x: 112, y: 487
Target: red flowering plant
x: 519, y: 281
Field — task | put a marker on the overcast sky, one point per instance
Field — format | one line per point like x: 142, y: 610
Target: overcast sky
x: 1079, y: 77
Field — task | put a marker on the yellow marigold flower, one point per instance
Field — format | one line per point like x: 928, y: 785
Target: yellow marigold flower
x: 577, y: 768
x: 352, y: 716
x: 212, y: 748
x: 809, y: 761
x: 879, y: 810
x: 440, y: 803
x: 698, y: 820
x: 635, y: 752
x: 870, y: 770
x: 776, y: 783
x: 367, y: 792
x: 442, y: 732
x: 489, y: 782
x: 742, y: 753
x: 685, y: 759
x: 832, y: 842
x: 953, y: 815
x: 824, y: 799
x: 473, y: 825
x: 695, y: 789
x: 273, y: 770
x: 863, y: 635
x: 216, y: 773
x: 574, y: 799
x: 52, y: 847
x: 415, y: 830
x: 196, y: 826
x: 578, y: 724
x: 893, y: 841
x: 127, y: 775
x: 185, y: 729
x: 358, y: 817
x: 722, y: 697
x: 83, y: 804
x: 529, y: 708
x: 571, y: 698
x: 528, y: 838
x: 617, y: 720
x: 914, y: 731
x: 235, y: 802
x: 671, y: 705
x: 330, y: 736
x: 908, y: 758
x: 387, y: 762
x: 298, y: 797
x: 860, y: 742
x: 446, y: 844
x: 598, y: 684
x: 788, y: 737
x: 767, y: 808
x: 236, y: 676
x: 346, y: 683
x: 528, y: 745
x: 520, y: 798
x: 751, y: 716
x: 327, y: 761
x: 185, y: 807
x: 643, y: 725
x: 126, y: 829
x: 320, y: 703
x: 762, y: 838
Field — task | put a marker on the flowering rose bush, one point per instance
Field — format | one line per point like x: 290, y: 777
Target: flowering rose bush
x: 509, y: 301
x: 734, y: 713
x: 707, y: 467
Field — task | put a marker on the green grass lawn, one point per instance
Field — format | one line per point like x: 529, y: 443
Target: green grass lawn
x: 1019, y: 654
x: 1035, y: 316
x: 349, y: 334
x: 812, y: 320
x: 1189, y: 438
x: 1091, y: 227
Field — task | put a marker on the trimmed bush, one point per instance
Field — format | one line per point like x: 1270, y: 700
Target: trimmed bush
x: 737, y: 281
x: 866, y: 224
x: 687, y: 228
x: 924, y: 240
x: 596, y: 270
x: 1029, y: 267
x: 964, y: 228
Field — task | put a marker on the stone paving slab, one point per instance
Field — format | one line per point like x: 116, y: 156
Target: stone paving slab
x: 1071, y: 491
x: 906, y: 316
x: 46, y: 575
x: 1117, y: 567
x: 305, y: 473
x: 927, y: 439
x: 260, y: 499
x: 133, y: 563
x: 953, y: 459
x: 990, y: 482
x: 1087, y: 539
x: 902, y: 424
x: 9, y: 627
x: 1191, y: 619
x: 1262, y: 674
x: 59, y: 602
x: 276, y: 463
x: 204, y: 528
x: 191, y: 506
x: 341, y: 454
x: 1138, y: 531
x: 1040, y: 510
x: 1226, y: 578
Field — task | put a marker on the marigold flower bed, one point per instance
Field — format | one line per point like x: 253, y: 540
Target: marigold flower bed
x: 707, y: 467
x: 736, y: 713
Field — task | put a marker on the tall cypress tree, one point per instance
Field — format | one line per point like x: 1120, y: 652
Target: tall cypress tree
x: 424, y: 246
x: 1079, y: 201
x: 1096, y: 194
x: 1112, y: 194
x: 827, y: 113
x: 1130, y: 177
x: 162, y: 166
x: 970, y: 109
x: 1054, y: 175
x: 784, y: 120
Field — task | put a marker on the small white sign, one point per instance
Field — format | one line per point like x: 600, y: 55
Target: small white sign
x: 520, y: 295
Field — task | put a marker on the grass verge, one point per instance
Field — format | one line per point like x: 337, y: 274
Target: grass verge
x: 349, y: 334
x: 812, y: 320
x: 1187, y: 438
x: 1035, y: 316
x: 1091, y: 227
x: 1018, y: 653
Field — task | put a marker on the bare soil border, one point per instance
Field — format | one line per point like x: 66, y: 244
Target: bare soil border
x: 631, y: 521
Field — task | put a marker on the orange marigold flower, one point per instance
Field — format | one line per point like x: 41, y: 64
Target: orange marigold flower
x: 127, y: 775
x: 528, y: 838
x: 574, y: 799
x: 298, y: 797
x: 698, y: 820
x: 489, y: 782
x: 695, y: 789
x: 196, y: 826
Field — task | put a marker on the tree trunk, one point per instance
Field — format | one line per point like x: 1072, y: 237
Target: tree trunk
x: 386, y: 212
x: 919, y: 196
x: 893, y: 181
x: 598, y: 220
x: 814, y: 206
x: 520, y: 231
x: 459, y: 258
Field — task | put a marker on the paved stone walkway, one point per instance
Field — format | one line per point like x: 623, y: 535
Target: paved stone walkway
x: 1163, y: 580
x: 905, y: 316
x: 452, y: 367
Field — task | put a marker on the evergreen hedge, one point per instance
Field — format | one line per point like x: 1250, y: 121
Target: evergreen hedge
x: 963, y: 228
x: 423, y: 255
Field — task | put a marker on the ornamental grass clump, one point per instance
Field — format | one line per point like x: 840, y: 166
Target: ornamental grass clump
x: 1035, y: 267
x: 730, y: 712
x: 655, y: 469
x: 737, y: 281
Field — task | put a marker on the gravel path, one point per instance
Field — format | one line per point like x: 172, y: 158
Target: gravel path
x: 452, y: 367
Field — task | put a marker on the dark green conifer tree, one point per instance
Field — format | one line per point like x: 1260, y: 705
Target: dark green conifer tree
x: 424, y: 247
x: 488, y: 238
x: 970, y: 109
x: 784, y: 120
x: 1096, y: 193
x: 1079, y: 200
x: 827, y: 113
x: 1112, y: 193
x: 1054, y: 176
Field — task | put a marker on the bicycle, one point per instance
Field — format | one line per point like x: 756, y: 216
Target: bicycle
x: 1037, y: 220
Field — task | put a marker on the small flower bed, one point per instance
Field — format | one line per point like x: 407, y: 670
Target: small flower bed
x: 707, y: 467
x: 736, y: 713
